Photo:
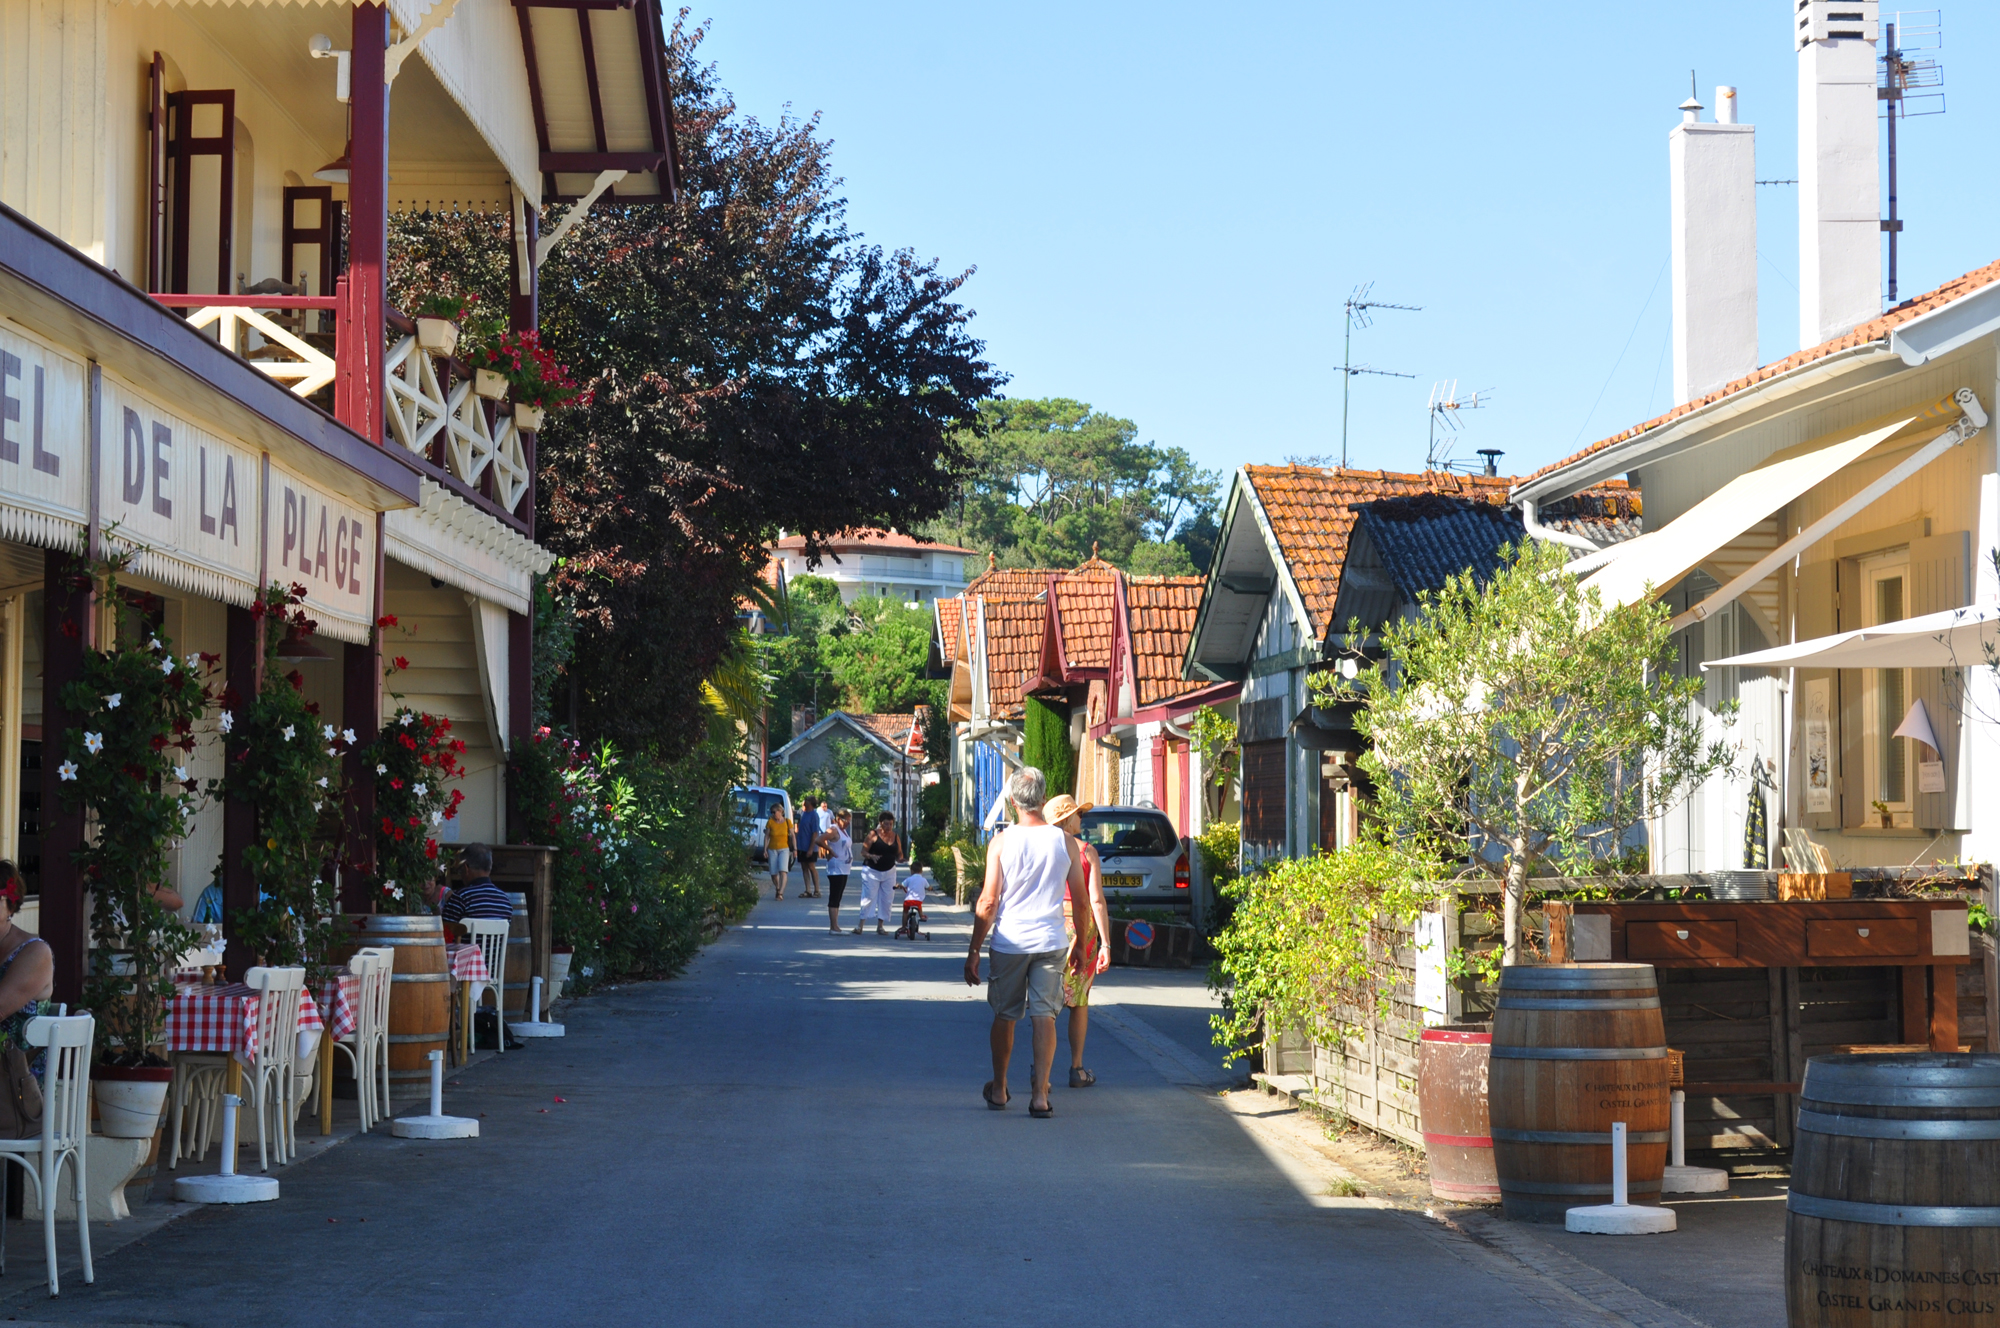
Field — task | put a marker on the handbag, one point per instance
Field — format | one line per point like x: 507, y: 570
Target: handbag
x: 20, y: 1097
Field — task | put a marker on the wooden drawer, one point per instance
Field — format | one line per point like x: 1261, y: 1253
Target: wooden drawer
x: 1854, y: 938
x: 1690, y: 939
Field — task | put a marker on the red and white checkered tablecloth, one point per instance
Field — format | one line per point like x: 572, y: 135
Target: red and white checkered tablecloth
x: 340, y: 994
x: 205, y: 1017
x: 467, y: 963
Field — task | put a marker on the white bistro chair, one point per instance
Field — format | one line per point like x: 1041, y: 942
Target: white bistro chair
x: 269, y: 1081
x: 367, y: 1047
x: 65, y: 1130
x: 490, y: 935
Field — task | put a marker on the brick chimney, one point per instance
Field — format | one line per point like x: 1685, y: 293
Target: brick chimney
x: 1840, y: 187
x: 1714, y: 205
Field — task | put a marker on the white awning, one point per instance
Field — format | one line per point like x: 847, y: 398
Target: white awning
x: 1951, y: 639
x: 1660, y: 558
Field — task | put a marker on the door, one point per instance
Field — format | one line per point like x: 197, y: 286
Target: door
x: 201, y: 190
x: 1264, y: 795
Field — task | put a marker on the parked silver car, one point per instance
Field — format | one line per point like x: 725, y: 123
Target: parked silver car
x: 1145, y: 863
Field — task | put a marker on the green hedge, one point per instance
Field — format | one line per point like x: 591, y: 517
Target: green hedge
x: 1045, y: 743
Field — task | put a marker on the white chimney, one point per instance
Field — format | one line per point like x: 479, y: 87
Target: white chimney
x: 1714, y: 200
x: 1840, y: 187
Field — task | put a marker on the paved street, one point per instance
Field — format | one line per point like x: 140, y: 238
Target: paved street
x: 792, y: 1133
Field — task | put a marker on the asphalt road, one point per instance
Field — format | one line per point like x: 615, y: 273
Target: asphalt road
x: 792, y: 1133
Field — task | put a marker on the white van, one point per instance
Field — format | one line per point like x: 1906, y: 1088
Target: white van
x: 753, y: 806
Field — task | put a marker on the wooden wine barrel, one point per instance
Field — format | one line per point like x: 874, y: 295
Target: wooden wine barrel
x: 520, y: 960
x: 1893, y: 1217
x: 1577, y: 1047
x: 419, y: 993
x: 1451, y: 1105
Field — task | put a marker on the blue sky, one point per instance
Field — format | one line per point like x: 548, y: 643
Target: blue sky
x: 1167, y: 203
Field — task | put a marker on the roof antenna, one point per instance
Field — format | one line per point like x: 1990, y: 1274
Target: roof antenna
x: 1357, y: 306
x: 1899, y: 74
x: 1445, y: 404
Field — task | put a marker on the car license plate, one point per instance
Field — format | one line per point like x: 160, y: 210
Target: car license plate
x: 1123, y: 881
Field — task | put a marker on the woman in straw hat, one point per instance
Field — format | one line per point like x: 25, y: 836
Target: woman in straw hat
x: 1088, y: 922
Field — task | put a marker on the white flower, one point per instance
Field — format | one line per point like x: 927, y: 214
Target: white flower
x: 422, y: 789
x: 181, y: 773
x: 167, y: 664
x: 321, y: 781
x: 193, y: 661
x: 437, y: 818
x: 67, y: 770
x: 93, y: 743
x: 333, y: 751
x: 289, y: 730
x: 395, y: 891
x: 154, y: 643
x: 405, y: 718
x: 347, y: 736
x: 225, y: 721
x: 381, y: 769
x: 327, y: 733
x: 111, y: 701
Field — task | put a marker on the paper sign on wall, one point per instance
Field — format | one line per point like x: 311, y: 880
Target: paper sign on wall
x: 182, y: 492
x: 326, y: 544
x: 1819, y: 745
x: 1930, y: 776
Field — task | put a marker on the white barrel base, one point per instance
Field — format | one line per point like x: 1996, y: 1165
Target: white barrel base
x: 535, y: 1030
x: 1620, y: 1220
x: 1695, y: 1180
x: 226, y: 1189
x: 434, y: 1127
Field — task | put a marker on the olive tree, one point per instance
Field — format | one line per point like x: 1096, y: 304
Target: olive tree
x: 1516, y: 727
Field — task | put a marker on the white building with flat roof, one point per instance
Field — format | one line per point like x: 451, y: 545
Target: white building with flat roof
x: 883, y: 563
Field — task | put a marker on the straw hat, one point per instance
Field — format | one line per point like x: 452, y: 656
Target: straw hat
x: 1061, y: 807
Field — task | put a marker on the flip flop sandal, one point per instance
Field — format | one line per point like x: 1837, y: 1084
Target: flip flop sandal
x: 1042, y: 1113
x: 1081, y: 1078
x: 987, y: 1093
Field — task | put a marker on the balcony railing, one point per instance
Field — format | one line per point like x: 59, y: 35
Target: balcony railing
x: 430, y: 410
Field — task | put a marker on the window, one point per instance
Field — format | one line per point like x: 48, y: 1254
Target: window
x: 1138, y: 834
x: 1887, y: 761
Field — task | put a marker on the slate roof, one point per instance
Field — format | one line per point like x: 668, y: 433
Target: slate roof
x: 1087, y: 614
x: 1425, y: 539
x: 1162, y: 611
x: 1311, y: 511
x: 1876, y: 329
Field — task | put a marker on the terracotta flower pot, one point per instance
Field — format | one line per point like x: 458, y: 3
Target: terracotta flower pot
x: 439, y: 336
x: 489, y: 384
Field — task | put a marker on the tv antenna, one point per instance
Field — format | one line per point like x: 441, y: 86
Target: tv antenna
x: 1357, y: 306
x: 1913, y: 30
x: 1444, y: 406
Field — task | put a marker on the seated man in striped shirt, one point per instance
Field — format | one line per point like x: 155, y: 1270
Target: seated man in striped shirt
x: 478, y: 897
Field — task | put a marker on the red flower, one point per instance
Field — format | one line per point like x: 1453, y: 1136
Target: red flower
x: 386, y: 620
x: 401, y: 662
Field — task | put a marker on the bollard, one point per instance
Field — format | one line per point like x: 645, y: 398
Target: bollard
x: 437, y: 1125
x: 226, y: 1187
x: 1620, y: 1218
x: 534, y: 1027
x: 1680, y: 1178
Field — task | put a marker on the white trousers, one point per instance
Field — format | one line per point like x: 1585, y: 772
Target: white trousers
x: 877, y: 887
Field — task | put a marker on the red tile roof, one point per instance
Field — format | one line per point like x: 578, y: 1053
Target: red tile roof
x: 1013, y: 651
x: 903, y: 732
x: 1311, y: 511
x: 1011, y: 582
x: 951, y: 626
x: 1161, y: 610
x: 1086, y: 613
x: 1877, y: 329
x: 866, y: 539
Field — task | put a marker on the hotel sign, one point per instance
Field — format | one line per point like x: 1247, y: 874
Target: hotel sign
x: 44, y: 439
x: 326, y: 544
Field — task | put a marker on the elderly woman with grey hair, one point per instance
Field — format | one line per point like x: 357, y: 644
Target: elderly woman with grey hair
x: 1030, y: 870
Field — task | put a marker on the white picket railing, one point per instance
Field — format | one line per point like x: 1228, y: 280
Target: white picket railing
x: 282, y: 353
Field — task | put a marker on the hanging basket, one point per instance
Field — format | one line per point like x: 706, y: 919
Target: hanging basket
x: 527, y: 418
x: 490, y: 384
x: 439, y: 336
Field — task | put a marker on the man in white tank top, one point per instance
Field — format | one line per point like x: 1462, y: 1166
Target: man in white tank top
x: 1029, y: 870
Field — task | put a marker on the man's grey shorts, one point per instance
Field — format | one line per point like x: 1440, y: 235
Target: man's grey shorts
x: 1026, y: 981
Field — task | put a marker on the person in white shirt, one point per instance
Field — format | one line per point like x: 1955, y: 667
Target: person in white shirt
x: 914, y: 886
x: 837, y: 851
x: 1030, y: 870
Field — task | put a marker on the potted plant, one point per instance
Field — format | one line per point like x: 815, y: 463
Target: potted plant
x: 412, y: 759
x: 526, y: 373
x: 439, y: 318
x: 125, y: 759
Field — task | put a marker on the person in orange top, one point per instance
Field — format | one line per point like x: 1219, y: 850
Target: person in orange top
x: 1088, y: 921
x: 778, y: 846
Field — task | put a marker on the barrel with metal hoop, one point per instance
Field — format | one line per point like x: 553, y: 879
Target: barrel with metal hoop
x: 1576, y: 1048
x: 419, y: 991
x: 1893, y: 1216
x: 520, y: 960
x: 1451, y: 1103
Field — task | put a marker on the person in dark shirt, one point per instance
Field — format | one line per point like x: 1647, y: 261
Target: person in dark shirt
x: 478, y: 897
